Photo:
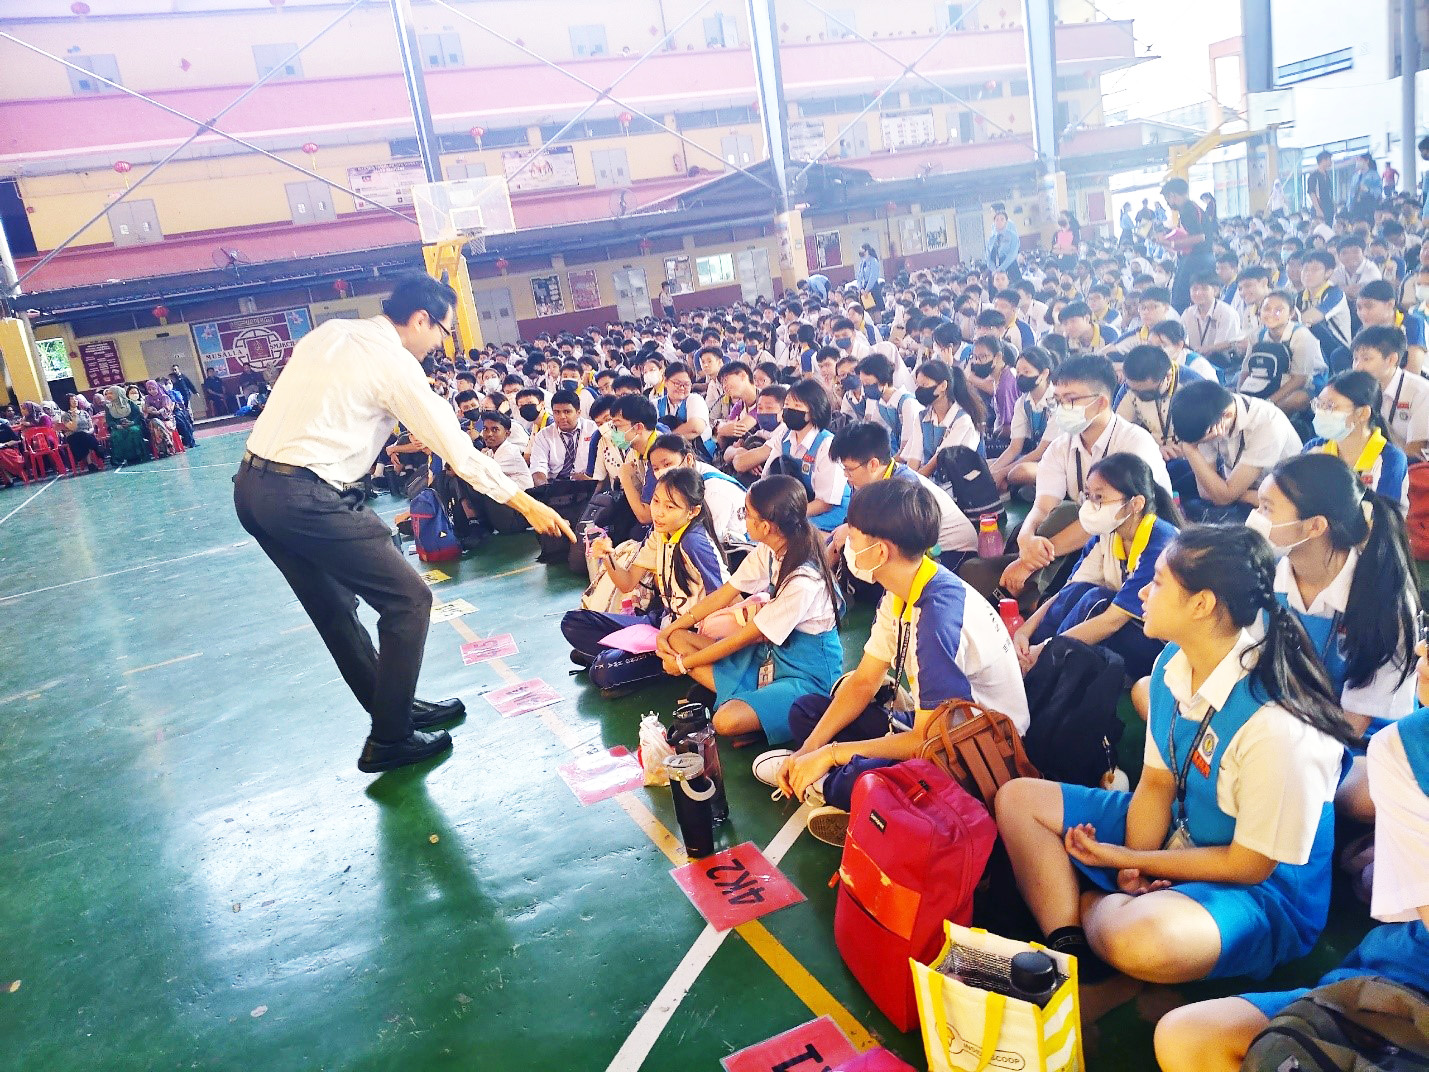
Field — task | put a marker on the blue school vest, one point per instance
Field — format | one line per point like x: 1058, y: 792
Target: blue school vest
x: 1303, y: 890
x: 1327, y: 637
x: 933, y: 434
x: 891, y: 418
x: 834, y: 515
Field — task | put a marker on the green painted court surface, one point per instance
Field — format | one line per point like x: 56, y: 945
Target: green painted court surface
x: 195, y: 874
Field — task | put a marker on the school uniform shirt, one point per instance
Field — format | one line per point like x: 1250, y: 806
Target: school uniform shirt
x: 1189, y: 359
x: 1383, y: 695
x: 703, y: 565
x: 694, y: 408
x: 802, y: 606
x: 828, y: 478
x: 608, y: 458
x: 1367, y: 272
x: 1306, y: 359
x: 1398, y: 761
x: 724, y: 499
x: 1217, y: 328
x: 1381, y: 466
x: 512, y: 462
x: 1334, y: 330
x: 953, y: 429
x: 1276, y: 774
x: 1062, y: 472
x: 1107, y: 562
x: 958, y: 647
x: 1025, y: 412
x: 903, y: 421
x: 548, y: 449
x: 1155, y: 416
x: 1405, y: 408
x: 956, y: 531
x: 1261, y: 436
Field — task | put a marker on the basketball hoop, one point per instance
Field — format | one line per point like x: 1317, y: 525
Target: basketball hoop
x: 463, y: 210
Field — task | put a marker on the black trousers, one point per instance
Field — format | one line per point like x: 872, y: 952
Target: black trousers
x: 332, y: 551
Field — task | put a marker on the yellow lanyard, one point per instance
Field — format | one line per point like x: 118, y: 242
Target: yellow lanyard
x: 1373, y: 448
x: 1138, y: 544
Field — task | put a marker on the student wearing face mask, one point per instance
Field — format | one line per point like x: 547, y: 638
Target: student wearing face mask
x: 800, y: 448
x: 1230, y: 442
x: 1349, y: 425
x: 1017, y: 465
x: 1131, y: 520
x: 1152, y: 380
x: 931, y: 630
x: 884, y: 402
x: 749, y: 452
x: 1343, y: 555
x: 953, y: 414
x: 1084, y: 431
x: 531, y: 414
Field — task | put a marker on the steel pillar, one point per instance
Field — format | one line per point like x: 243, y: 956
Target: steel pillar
x: 769, y: 85
x: 1039, y: 17
x: 427, y: 144
x: 1409, y: 78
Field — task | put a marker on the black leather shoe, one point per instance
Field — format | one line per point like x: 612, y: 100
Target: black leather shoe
x: 426, y: 714
x: 416, y: 748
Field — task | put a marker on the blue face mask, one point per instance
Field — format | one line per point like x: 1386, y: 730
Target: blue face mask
x: 768, y: 421
x: 871, y: 392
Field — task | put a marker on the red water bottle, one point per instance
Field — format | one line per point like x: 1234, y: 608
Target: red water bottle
x: 1011, y: 616
x: 989, y: 537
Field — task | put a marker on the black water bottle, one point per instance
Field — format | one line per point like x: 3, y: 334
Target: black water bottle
x: 1033, y: 977
x: 692, y: 732
x: 694, y: 794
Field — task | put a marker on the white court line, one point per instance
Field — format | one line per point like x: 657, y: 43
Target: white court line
x: 127, y: 569
x: 646, y: 1033
x: 130, y: 470
x: 28, y: 501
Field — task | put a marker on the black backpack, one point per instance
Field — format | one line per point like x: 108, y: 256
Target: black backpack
x: 1268, y: 361
x: 963, y: 473
x: 1072, y: 693
x: 1363, y: 1024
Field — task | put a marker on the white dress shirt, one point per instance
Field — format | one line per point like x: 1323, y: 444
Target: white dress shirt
x: 334, y: 405
x: 512, y: 462
x: 548, y: 452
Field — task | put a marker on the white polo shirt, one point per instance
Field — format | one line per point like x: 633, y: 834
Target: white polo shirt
x: 803, y: 604
x: 1062, y: 472
x: 828, y: 476
x: 1401, y: 881
x: 1216, y: 328
x: 1262, y: 436
x: 1405, y: 408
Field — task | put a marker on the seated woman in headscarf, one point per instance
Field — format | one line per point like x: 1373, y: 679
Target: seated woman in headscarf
x: 32, y: 416
x: 158, y: 410
x: 128, y: 439
x: 78, y: 427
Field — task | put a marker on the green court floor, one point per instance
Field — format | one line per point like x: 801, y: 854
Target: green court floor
x: 195, y: 875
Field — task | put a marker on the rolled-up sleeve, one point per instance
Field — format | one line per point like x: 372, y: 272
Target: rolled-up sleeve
x: 435, y: 425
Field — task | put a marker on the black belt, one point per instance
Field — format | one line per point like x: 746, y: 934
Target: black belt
x: 263, y: 465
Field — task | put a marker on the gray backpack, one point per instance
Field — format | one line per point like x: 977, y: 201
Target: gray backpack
x: 1364, y: 1024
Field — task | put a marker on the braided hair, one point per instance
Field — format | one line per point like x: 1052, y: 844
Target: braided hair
x: 1234, y: 563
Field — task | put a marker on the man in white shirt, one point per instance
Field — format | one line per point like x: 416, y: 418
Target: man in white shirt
x: 1355, y: 269
x: 562, y: 449
x: 298, y: 493
x: 1084, y: 430
x: 1211, y: 325
x: 1231, y: 442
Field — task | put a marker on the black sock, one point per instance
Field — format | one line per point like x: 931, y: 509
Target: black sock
x: 1073, y: 942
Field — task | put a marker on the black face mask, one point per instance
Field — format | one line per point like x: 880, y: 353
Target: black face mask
x: 1027, y: 384
x: 981, y: 368
x: 850, y: 382
x: 925, y: 395
x: 529, y: 412
x: 795, y: 419
x: 1152, y: 395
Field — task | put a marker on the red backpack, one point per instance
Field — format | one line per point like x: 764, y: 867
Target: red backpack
x: 916, y: 848
x: 1417, y: 521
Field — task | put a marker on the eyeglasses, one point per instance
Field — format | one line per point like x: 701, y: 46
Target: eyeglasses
x: 1074, y: 400
x: 1097, y: 500
x: 446, y: 331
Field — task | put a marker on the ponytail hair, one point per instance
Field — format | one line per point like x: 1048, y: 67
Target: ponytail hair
x: 689, y: 487
x: 1234, y: 563
x: 958, y: 389
x: 1379, y: 623
x: 781, y: 501
x: 1131, y: 476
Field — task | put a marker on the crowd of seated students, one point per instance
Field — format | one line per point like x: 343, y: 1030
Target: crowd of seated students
x: 121, y: 425
x: 1211, y: 451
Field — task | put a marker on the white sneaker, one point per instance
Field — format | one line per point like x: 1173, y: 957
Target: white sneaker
x: 767, y: 765
x: 829, y: 825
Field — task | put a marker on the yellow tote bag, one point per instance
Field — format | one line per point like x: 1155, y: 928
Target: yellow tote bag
x: 968, y: 1029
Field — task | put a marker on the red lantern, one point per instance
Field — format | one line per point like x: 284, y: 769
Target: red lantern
x: 502, y: 264
x: 123, y: 167
x: 342, y: 286
x: 477, y: 133
x: 625, y: 118
x: 310, y: 147
x: 79, y: 7
x: 161, y: 313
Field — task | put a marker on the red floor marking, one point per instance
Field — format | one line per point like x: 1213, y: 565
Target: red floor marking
x: 599, y: 775
x: 735, y: 886
x: 495, y: 647
x: 522, y: 697
x: 812, y: 1047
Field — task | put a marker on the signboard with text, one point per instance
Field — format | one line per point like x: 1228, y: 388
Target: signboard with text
x: 549, y: 170
x: 100, y: 358
x: 262, y: 342
x: 388, y: 184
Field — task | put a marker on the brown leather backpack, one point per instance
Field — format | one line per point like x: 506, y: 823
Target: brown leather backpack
x: 979, y: 748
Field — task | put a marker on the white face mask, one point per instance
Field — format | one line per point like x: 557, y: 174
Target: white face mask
x: 1258, y: 522
x: 1100, y: 519
x: 851, y: 560
x: 1071, y: 420
x: 652, y: 377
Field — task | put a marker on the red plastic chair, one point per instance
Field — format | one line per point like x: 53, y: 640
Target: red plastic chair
x: 42, y: 445
x: 101, y: 428
x: 179, y: 447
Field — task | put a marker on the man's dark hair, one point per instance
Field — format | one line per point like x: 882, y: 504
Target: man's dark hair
x: 946, y: 333
x: 1196, y: 407
x: 903, y: 512
x: 1171, y: 330
x: 776, y: 391
x: 732, y: 367
x: 414, y: 292
x: 1012, y: 297
x: 878, y: 366
x: 1090, y: 369
x: 530, y: 392
x: 497, y: 416
x: 1255, y: 271
x: 1146, y: 362
x: 843, y: 323
x: 1157, y: 294
x: 470, y: 377
x: 627, y: 383
x: 1386, y: 341
x: 1072, y: 310
x: 565, y: 398
x: 602, y: 405
x: 463, y: 397
x: 991, y: 318
x: 1323, y: 154
x: 1321, y: 257
x: 805, y: 334
x: 637, y: 409
x: 1351, y: 240
x: 861, y: 442
x: 1380, y: 290
x: 717, y: 351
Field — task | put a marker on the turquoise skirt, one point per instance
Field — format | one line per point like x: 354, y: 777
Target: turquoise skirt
x: 805, y: 663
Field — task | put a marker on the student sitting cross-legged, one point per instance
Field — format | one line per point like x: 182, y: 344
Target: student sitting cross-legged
x: 931, y: 627
x: 790, y: 645
x: 1131, y: 520
x: 682, y: 552
x: 1218, y: 865
x: 1213, y: 1036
